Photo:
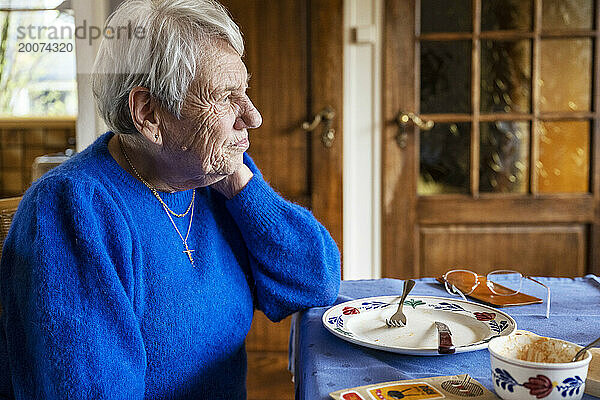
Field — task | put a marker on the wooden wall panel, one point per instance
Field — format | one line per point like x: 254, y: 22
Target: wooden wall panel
x: 537, y: 250
x: 267, y: 336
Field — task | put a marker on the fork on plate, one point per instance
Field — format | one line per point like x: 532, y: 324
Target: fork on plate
x: 398, y: 320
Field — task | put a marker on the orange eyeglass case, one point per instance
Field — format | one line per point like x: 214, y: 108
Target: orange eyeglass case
x: 485, y: 295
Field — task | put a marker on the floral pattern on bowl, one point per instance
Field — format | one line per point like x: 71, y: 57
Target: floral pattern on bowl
x: 518, y: 379
x: 539, y: 386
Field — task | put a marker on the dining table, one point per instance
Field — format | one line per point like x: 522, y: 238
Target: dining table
x: 322, y: 363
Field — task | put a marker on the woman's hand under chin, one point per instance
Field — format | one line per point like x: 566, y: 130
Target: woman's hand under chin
x: 234, y: 183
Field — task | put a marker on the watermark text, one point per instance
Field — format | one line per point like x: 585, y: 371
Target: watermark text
x: 84, y: 31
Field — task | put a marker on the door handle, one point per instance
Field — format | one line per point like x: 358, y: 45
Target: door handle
x: 403, y: 120
x: 326, y: 116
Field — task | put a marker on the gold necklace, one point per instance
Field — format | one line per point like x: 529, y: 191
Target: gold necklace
x: 152, y: 189
x: 187, y: 250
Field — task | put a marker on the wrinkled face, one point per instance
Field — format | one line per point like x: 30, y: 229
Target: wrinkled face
x: 214, y: 123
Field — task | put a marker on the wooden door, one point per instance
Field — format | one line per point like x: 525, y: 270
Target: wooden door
x: 294, y: 53
x: 508, y: 176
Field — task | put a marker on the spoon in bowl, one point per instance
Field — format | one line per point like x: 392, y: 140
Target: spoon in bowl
x: 582, y: 351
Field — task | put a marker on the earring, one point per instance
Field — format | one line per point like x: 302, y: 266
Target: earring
x: 156, y: 136
x: 183, y: 148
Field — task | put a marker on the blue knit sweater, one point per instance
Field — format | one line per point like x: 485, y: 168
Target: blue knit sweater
x: 100, y: 302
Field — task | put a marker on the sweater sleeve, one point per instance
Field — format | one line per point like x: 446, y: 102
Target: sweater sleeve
x: 68, y: 293
x: 294, y: 261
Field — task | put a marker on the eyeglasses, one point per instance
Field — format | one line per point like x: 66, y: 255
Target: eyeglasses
x: 503, y: 282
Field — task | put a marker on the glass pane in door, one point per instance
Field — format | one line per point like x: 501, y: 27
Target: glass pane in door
x: 563, y: 164
x: 506, y: 15
x: 504, y: 157
x: 444, y: 159
x: 446, y: 77
x: 436, y: 16
x: 567, y: 14
x: 566, y: 75
x: 505, y: 76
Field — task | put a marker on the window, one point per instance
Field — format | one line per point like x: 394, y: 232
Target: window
x: 38, y: 91
x: 509, y: 86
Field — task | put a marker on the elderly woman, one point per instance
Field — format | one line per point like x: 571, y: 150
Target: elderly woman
x: 133, y: 270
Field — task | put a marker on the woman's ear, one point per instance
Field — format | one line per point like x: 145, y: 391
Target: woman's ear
x: 144, y: 114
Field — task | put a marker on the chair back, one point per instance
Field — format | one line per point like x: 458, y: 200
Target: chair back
x: 8, y: 207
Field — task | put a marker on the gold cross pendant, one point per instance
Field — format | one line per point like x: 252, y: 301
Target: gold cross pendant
x: 189, y: 252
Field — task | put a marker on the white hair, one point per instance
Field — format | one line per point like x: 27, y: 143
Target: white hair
x: 164, y: 55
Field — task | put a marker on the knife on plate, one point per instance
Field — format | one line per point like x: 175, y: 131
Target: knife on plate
x: 445, y: 345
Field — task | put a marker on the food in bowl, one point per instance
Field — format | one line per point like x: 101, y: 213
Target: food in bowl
x: 528, y: 366
x: 546, y: 350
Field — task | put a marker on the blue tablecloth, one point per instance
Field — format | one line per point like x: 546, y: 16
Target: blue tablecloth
x: 322, y: 363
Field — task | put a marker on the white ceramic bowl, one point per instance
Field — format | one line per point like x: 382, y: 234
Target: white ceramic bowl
x: 516, y: 379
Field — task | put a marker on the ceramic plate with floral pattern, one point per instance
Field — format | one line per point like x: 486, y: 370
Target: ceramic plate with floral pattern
x: 362, y: 322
